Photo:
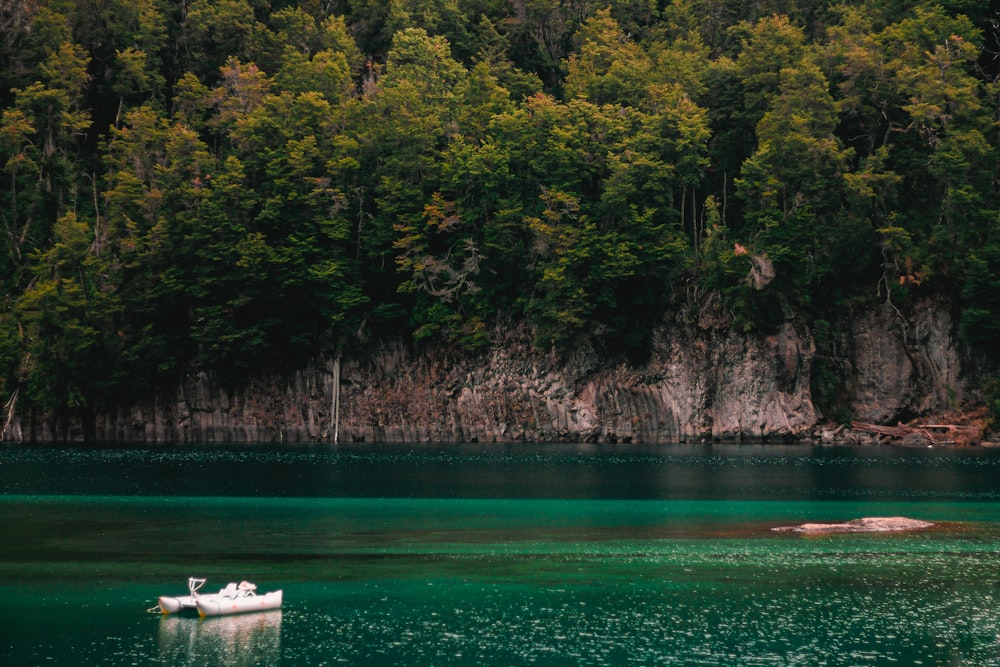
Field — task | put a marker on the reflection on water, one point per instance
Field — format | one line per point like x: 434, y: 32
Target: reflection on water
x: 244, y: 639
x: 677, y: 472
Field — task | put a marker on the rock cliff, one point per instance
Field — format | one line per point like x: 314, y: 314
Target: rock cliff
x: 700, y: 383
x: 904, y: 366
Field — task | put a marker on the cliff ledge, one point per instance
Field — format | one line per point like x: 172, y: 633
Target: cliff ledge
x: 699, y: 384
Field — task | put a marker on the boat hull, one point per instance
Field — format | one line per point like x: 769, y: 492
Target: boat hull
x: 211, y: 605
x: 174, y: 605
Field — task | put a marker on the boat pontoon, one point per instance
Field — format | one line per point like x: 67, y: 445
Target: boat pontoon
x: 233, y: 599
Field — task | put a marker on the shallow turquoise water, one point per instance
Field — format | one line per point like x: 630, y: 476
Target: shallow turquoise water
x: 470, y: 555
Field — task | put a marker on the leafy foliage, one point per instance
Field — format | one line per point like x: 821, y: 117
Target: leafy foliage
x: 239, y: 183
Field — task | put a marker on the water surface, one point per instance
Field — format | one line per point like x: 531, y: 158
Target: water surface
x: 507, y: 555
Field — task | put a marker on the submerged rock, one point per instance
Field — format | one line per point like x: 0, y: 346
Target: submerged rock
x: 874, y: 524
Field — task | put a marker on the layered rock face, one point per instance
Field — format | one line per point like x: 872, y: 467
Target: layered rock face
x: 699, y: 384
x: 904, y: 366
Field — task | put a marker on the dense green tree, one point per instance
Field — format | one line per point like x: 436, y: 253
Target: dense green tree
x: 214, y: 31
x: 158, y: 171
x: 64, y: 314
x: 932, y: 56
x: 607, y: 67
x: 683, y: 134
x: 407, y: 124
x: 316, y: 56
x: 225, y: 184
x: 461, y: 240
x: 684, y: 61
x: 602, y: 251
x: 795, y: 190
x: 771, y: 46
x: 442, y: 263
x: 296, y: 246
x: 980, y: 323
x: 41, y: 135
x: 540, y: 33
x: 127, y: 44
x: 438, y: 18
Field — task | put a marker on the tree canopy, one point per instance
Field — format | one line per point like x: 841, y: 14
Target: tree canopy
x: 230, y: 184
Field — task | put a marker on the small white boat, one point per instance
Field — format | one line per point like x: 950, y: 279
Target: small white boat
x: 233, y: 599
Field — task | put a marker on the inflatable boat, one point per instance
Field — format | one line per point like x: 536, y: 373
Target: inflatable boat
x: 233, y: 599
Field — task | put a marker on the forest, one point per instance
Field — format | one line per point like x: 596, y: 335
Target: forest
x: 231, y: 185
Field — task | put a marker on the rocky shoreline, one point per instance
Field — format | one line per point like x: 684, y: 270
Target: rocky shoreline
x: 955, y: 428
x: 702, y: 383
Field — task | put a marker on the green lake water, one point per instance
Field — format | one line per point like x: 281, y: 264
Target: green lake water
x: 500, y: 555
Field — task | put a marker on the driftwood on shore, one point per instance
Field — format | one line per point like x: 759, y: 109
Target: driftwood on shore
x: 918, y: 434
x: 874, y: 524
